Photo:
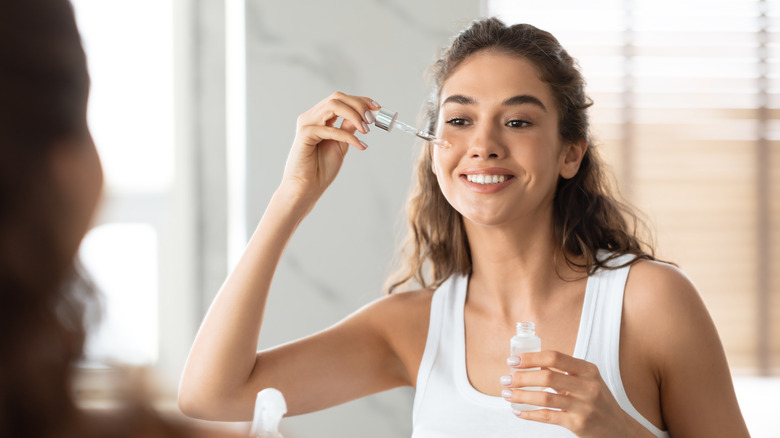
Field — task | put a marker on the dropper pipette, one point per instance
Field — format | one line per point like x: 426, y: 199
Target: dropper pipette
x: 387, y: 120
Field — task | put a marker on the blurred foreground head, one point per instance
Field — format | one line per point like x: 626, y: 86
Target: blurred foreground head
x: 50, y: 181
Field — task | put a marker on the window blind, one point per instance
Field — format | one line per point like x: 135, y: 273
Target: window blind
x: 686, y: 104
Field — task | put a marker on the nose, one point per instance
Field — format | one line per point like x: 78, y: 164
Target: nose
x: 484, y: 143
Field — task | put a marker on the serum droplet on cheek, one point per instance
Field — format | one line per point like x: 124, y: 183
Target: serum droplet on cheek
x: 444, y: 144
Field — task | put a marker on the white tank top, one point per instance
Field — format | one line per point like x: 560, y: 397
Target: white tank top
x: 445, y: 403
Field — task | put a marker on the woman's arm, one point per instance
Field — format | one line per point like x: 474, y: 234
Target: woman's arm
x: 667, y: 317
x: 224, y: 371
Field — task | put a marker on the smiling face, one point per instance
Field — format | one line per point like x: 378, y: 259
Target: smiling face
x: 507, y: 154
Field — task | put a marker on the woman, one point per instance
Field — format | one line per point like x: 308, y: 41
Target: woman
x: 516, y: 223
x: 50, y: 182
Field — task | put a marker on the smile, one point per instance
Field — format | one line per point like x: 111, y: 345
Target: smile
x: 487, y: 179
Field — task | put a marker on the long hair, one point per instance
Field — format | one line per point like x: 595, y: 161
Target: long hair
x: 43, y: 93
x: 587, y: 217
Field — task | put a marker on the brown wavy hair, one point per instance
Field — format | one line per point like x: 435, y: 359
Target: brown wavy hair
x: 587, y: 217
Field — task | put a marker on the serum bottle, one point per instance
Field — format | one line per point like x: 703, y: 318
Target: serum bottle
x: 525, y: 341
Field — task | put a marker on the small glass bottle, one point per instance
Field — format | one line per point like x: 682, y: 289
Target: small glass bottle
x: 525, y: 341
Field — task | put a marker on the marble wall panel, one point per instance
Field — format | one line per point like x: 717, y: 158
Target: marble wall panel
x: 299, y: 52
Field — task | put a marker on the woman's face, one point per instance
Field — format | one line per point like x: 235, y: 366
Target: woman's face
x: 507, y: 154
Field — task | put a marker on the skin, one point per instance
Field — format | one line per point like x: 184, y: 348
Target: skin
x: 676, y: 374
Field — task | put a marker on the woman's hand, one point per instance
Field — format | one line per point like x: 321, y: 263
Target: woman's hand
x: 585, y: 404
x: 319, y: 146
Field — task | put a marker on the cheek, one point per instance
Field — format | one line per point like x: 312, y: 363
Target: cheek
x: 443, y: 166
x: 442, y: 163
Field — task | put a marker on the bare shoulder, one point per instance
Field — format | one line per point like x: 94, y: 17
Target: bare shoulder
x: 657, y: 283
x: 661, y: 296
x: 665, y: 316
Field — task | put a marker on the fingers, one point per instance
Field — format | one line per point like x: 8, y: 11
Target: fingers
x: 353, y: 109
x: 362, y: 107
x: 540, y: 378
x: 316, y: 134
x: 538, y: 398
x: 567, y: 375
x: 545, y: 416
x: 556, y: 360
x: 338, y: 108
x: 580, y: 402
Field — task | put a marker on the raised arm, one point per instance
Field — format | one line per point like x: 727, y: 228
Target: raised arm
x: 224, y: 371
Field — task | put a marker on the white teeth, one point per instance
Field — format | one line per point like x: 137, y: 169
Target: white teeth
x: 486, y: 179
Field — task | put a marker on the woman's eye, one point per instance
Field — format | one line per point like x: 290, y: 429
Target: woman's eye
x: 518, y: 124
x: 457, y: 122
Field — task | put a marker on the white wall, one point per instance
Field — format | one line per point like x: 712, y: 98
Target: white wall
x: 299, y: 52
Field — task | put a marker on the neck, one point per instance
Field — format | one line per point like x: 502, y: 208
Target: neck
x: 514, y: 268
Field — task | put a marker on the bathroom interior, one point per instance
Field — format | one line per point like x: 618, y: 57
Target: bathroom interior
x: 193, y: 107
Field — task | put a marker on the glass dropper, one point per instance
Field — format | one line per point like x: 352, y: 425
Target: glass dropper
x: 387, y: 120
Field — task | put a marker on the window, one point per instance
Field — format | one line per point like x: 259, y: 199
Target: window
x: 129, y: 51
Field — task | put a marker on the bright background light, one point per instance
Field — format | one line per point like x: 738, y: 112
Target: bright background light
x: 122, y: 260
x: 129, y: 46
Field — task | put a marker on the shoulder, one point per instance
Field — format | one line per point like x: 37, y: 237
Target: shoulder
x: 661, y: 304
x: 652, y: 286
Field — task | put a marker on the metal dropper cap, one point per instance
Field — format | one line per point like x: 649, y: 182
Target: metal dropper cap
x: 385, y: 119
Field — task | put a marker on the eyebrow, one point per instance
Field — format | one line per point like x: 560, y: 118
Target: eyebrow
x: 521, y: 99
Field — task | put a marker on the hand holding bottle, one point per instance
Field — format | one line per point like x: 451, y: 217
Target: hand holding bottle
x: 319, y: 147
x: 582, y: 402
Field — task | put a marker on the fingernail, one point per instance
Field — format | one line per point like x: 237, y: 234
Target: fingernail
x: 506, y: 380
x: 373, y: 102
x: 512, y: 361
x: 363, y: 143
x: 516, y: 412
x: 365, y: 127
x: 507, y: 393
x: 370, y: 117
